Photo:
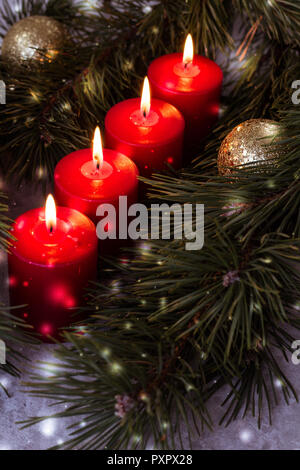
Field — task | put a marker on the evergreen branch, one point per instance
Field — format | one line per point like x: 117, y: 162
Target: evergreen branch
x: 280, y: 18
x: 14, y: 333
x: 157, y: 351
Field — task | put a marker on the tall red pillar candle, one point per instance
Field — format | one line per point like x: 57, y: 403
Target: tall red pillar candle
x: 193, y: 85
x: 148, y: 131
x: 86, y: 179
x: 50, y: 264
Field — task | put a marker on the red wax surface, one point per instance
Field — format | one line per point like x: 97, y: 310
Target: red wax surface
x: 194, y: 90
x: 150, y: 141
x: 79, y: 185
x: 48, y: 272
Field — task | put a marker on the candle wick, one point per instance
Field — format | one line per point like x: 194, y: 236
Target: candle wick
x: 98, y: 165
x: 144, y: 114
x: 185, y: 65
x: 51, y: 229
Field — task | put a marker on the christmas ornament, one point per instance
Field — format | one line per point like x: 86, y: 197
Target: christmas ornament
x: 248, y: 143
x: 33, y: 41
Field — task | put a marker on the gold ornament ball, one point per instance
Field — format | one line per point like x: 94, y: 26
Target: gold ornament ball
x: 33, y: 41
x: 249, y: 143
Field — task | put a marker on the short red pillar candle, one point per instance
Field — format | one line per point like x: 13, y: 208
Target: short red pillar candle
x: 148, y: 131
x: 50, y: 264
x: 193, y: 85
x: 85, y: 179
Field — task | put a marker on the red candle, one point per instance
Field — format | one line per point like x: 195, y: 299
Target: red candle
x: 51, y: 261
x: 85, y: 179
x: 148, y: 131
x: 193, y: 85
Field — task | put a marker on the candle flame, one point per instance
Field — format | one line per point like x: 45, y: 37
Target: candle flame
x: 50, y: 213
x: 188, y: 53
x: 146, y: 98
x: 97, y: 149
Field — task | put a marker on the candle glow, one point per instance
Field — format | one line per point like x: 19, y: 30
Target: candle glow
x: 146, y: 98
x: 188, y: 53
x: 148, y: 130
x: 51, y: 270
x: 97, y: 149
x: 50, y: 214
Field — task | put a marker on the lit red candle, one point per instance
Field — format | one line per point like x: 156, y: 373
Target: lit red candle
x: 88, y: 178
x: 50, y: 264
x: 149, y: 131
x: 192, y: 83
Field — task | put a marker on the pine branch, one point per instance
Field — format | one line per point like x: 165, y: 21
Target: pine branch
x: 62, y: 104
x: 13, y: 331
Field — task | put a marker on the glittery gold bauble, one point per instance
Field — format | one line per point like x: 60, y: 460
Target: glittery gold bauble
x: 33, y: 41
x: 251, y: 142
